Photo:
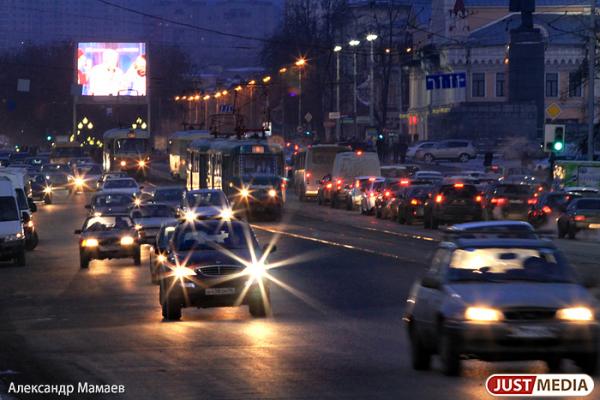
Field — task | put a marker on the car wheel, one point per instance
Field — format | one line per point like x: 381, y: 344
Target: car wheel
x: 450, y: 355
x: 588, y: 363
x: 32, y: 242
x: 20, y: 259
x: 571, y: 232
x: 47, y: 200
x: 420, y: 355
x: 171, y: 311
x: 428, y: 158
x: 84, y: 261
x: 137, y: 256
x: 258, y: 308
x: 464, y: 157
x: 554, y: 364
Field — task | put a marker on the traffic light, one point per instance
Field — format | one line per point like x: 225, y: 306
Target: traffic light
x: 380, y: 136
x: 558, y: 144
x: 49, y: 138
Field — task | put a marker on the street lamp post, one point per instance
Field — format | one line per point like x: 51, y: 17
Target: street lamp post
x: 353, y: 43
x: 300, y: 63
x: 371, y: 38
x: 281, y: 72
x: 337, y: 50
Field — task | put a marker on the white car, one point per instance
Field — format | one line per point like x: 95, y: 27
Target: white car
x: 412, y: 150
x: 122, y: 185
x: 206, y: 204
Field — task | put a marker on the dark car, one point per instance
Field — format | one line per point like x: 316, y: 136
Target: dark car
x: 385, y: 195
x: 258, y: 194
x: 149, y: 218
x: 41, y: 189
x: 58, y: 176
x: 452, y: 203
x: 161, y: 247
x: 501, y: 299
x: 548, y: 207
x: 410, y: 204
x: 171, y: 195
x: 581, y: 214
x: 110, y: 203
x: 108, y: 237
x: 214, y: 264
x: 508, y: 201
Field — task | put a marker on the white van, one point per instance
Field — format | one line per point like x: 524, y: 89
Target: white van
x: 311, y: 165
x: 337, y: 188
x: 18, y: 178
x: 12, y: 237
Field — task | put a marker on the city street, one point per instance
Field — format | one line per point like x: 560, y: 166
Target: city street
x: 336, y: 329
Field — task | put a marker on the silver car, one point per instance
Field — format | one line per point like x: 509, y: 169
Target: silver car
x: 455, y: 149
x: 500, y: 298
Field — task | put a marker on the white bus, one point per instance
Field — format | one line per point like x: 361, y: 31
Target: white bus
x: 126, y: 150
x: 178, y: 145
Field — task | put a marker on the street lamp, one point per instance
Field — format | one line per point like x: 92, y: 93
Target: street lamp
x: 354, y: 43
x: 337, y: 49
x: 300, y: 63
x: 282, y: 71
x: 371, y: 38
x: 266, y: 79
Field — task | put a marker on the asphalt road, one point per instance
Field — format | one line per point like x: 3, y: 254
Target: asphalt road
x: 336, y: 329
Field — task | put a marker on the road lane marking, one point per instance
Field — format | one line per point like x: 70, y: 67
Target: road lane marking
x: 401, y: 234
x: 336, y: 244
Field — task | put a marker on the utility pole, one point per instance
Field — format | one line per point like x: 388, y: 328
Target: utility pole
x: 353, y: 43
x: 371, y: 38
x: 337, y: 50
x: 591, y: 80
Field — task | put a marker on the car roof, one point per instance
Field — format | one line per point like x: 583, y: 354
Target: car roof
x: 580, y: 188
x: 205, y: 191
x: 503, y: 242
x: 482, y: 225
x: 169, y: 188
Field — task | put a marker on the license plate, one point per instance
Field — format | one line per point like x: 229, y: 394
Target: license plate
x: 219, y: 291
x: 532, y: 332
x: 594, y: 226
x: 419, y: 212
x: 516, y: 201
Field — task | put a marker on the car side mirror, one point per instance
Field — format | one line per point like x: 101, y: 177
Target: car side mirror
x: 77, y: 231
x: 88, y: 206
x: 31, y: 204
x: 25, y: 217
x: 431, y: 282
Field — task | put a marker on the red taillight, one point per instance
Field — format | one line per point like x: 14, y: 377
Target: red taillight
x: 339, y: 181
x: 371, y: 179
x: 532, y: 201
x: 499, y: 201
x: 459, y: 185
x: 546, y: 210
x: 307, y: 174
x: 540, y: 189
x: 580, y: 218
x: 415, y: 202
x: 478, y: 198
x: 387, y: 193
x: 404, y: 182
x: 329, y: 185
x: 359, y: 153
x: 439, y: 198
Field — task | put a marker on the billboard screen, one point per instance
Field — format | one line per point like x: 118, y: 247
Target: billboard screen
x: 111, y: 69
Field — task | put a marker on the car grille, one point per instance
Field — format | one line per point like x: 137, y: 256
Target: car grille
x: 529, y: 314
x: 218, y: 270
x: 109, y: 241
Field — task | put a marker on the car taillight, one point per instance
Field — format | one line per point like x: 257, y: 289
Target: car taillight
x: 580, y: 218
x: 404, y: 182
x: 499, y: 201
x: 329, y: 185
x: 532, y: 201
x: 546, y: 210
x: 459, y: 185
x: 339, y: 182
x: 307, y: 174
x: 414, y: 202
x: 387, y: 193
x: 478, y: 198
x: 439, y: 198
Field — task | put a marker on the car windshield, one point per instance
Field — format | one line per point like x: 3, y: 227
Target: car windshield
x: 588, y: 204
x: 168, y: 195
x: 120, y: 184
x: 89, y: 170
x: 131, y: 145
x: 8, y: 209
x: 519, y: 190
x: 205, y: 199
x: 509, y: 264
x: 113, y: 200
x: 107, y: 223
x: 154, y: 211
x: 210, y: 236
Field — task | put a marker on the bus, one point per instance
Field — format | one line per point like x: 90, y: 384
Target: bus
x: 126, y: 150
x: 230, y: 164
x: 311, y: 164
x: 178, y: 144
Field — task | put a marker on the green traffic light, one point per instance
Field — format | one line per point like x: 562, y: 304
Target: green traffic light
x: 48, y: 138
x: 558, y: 146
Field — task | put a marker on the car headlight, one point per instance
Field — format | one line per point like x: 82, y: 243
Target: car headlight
x: 48, y: 189
x: 123, y: 163
x: 226, y: 214
x: 244, y: 192
x: 91, y: 242
x: 29, y: 224
x: 127, y: 241
x: 483, y: 314
x: 79, y: 182
x: 181, y: 272
x: 161, y: 258
x: 272, y: 193
x: 137, y: 202
x: 256, y: 270
x: 190, y: 216
x: 575, y: 314
x: 142, y: 163
x: 138, y: 227
x: 12, y: 238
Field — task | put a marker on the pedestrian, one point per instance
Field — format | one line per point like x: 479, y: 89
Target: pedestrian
x: 403, y: 147
x: 488, y: 159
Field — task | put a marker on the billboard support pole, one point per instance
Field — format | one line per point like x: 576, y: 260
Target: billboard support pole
x: 74, y: 126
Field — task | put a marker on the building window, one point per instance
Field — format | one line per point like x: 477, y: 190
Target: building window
x: 552, y: 84
x: 478, y: 84
x: 500, y: 84
x: 574, y: 84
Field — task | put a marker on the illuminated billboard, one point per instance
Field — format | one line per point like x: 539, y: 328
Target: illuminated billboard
x: 111, y: 69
